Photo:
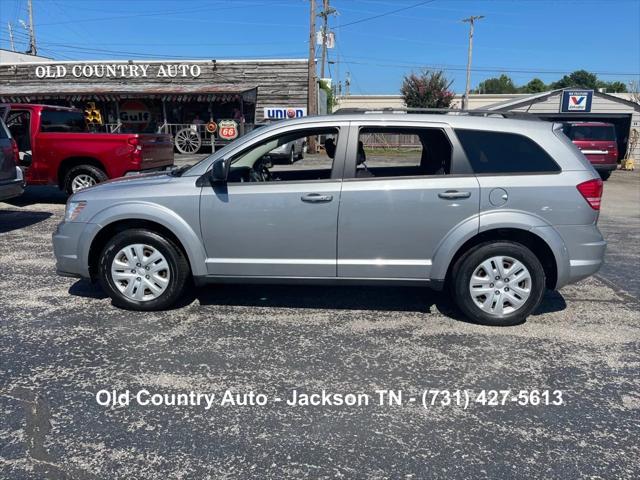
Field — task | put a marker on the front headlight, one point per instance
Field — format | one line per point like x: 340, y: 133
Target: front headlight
x: 73, y: 210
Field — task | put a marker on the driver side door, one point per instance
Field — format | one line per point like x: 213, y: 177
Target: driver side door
x: 283, y: 226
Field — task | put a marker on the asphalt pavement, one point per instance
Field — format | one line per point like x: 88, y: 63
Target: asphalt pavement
x: 61, y: 342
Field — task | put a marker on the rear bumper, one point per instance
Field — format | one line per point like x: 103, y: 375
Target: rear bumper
x: 585, y: 247
x: 148, y: 170
x: 605, y: 167
x: 12, y: 188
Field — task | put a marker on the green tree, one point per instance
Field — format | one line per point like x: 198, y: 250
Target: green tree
x: 502, y: 84
x: 534, y: 86
x: 613, y: 87
x: 427, y: 89
x: 579, y: 79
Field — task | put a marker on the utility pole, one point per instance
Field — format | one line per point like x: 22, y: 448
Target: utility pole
x: 470, y: 20
x: 326, y: 11
x: 32, y: 34
x: 312, y: 103
x: 13, y: 47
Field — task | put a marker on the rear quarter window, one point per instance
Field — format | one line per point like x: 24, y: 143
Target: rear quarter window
x: 61, y: 121
x: 500, y: 152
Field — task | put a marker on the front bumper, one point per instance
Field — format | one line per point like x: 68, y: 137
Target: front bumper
x: 70, y: 250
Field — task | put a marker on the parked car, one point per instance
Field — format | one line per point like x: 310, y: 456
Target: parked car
x: 495, y: 210
x: 11, y: 179
x: 56, y: 148
x: 598, y: 142
x: 290, y: 151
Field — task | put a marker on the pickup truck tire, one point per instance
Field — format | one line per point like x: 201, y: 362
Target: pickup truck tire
x: 498, y: 283
x: 82, y: 176
x: 142, y: 270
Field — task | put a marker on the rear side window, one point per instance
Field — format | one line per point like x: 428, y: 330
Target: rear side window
x: 61, y: 121
x: 499, y: 152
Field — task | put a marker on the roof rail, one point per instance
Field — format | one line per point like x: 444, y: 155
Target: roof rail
x: 446, y: 111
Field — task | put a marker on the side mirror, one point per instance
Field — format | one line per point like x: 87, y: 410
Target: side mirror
x: 218, y: 171
x: 25, y: 161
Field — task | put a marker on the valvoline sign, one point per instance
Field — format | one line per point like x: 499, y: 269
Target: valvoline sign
x: 576, y: 101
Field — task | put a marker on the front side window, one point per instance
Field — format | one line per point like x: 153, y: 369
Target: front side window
x: 62, y: 121
x: 286, y: 158
x: 499, y: 152
x: 402, y: 152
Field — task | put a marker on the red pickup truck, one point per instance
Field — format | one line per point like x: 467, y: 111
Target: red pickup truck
x: 55, y: 148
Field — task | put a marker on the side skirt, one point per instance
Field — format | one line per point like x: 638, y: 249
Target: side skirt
x: 409, y: 282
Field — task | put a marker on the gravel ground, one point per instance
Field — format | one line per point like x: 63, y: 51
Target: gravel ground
x: 61, y: 342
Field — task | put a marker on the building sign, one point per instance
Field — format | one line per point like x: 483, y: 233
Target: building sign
x: 134, y: 115
x: 576, y: 101
x: 119, y: 70
x: 228, y: 129
x: 212, y: 127
x: 279, y: 113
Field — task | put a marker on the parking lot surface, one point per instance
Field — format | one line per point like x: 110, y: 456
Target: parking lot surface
x: 61, y: 341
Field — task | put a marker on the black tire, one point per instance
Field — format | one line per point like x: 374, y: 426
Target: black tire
x: 94, y: 172
x: 292, y: 156
x: 604, y: 176
x: 178, y: 268
x: 466, y: 265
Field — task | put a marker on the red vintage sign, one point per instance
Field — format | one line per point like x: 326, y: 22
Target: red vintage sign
x: 212, y: 127
x: 228, y: 129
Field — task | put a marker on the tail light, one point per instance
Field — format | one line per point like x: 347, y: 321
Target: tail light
x: 136, y: 154
x: 16, y: 151
x: 591, y: 190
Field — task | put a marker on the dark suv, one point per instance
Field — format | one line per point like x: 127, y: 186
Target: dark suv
x: 11, y: 179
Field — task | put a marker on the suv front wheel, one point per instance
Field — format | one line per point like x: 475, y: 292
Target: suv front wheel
x: 498, y: 283
x: 141, y: 270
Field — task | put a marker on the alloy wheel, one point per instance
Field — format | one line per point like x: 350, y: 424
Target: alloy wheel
x: 82, y: 181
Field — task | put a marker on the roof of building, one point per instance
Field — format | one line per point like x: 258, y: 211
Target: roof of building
x: 8, y: 57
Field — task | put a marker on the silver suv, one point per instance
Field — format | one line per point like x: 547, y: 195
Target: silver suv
x: 495, y: 210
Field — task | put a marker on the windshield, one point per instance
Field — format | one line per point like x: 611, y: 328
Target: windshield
x: 223, y: 151
x: 590, y: 132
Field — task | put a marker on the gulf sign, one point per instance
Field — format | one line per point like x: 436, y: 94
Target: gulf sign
x: 576, y: 101
x: 283, y: 113
x: 134, y: 114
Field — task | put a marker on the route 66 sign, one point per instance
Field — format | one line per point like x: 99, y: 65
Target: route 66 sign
x: 227, y: 129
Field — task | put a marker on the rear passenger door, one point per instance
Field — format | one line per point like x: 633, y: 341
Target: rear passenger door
x: 406, y: 187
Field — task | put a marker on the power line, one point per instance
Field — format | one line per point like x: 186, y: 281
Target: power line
x: 391, y: 12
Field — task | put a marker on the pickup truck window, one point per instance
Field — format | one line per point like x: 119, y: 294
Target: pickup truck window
x: 62, y: 121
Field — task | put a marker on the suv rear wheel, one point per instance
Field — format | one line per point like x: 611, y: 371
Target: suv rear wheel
x: 141, y: 270
x: 498, y: 283
x: 82, y: 176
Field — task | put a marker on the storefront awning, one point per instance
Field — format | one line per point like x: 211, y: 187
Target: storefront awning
x: 110, y: 92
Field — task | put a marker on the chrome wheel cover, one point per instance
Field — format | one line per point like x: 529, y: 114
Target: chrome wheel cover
x: 82, y: 181
x: 500, y: 285
x: 140, y: 272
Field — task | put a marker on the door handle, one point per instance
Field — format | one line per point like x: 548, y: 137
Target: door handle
x: 453, y: 194
x: 316, y: 198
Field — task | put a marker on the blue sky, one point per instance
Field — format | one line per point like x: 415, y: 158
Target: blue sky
x: 522, y: 38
